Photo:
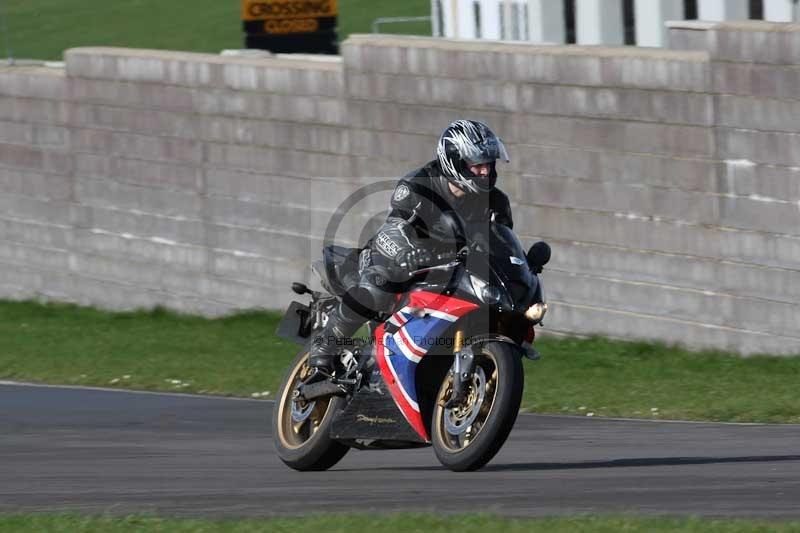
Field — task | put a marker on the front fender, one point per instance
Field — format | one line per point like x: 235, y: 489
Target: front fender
x: 478, y: 341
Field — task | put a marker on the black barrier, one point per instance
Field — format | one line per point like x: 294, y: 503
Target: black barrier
x: 291, y: 26
x: 315, y: 43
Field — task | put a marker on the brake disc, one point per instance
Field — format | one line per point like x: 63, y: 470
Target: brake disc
x: 300, y: 414
x: 456, y: 423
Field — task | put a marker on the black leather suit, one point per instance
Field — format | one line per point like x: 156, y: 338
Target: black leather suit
x: 416, y: 220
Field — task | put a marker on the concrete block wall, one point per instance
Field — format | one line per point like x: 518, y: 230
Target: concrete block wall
x: 35, y: 180
x: 754, y: 84
x: 665, y: 180
x: 136, y: 178
x: 627, y: 160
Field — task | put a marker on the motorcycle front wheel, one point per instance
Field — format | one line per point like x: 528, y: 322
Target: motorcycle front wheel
x: 469, y: 434
x: 300, y: 429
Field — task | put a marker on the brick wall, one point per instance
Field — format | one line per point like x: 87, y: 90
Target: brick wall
x: 666, y: 180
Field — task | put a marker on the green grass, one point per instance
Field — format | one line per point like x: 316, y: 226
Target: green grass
x: 356, y: 16
x: 43, y: 29
x: 240, y: 355
x: 401, y: 523
x: 653, y: 380
x: 156, y: 350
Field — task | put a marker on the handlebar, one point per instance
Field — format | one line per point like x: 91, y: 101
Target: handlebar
x: 443, y: 261
x: 445, y: 257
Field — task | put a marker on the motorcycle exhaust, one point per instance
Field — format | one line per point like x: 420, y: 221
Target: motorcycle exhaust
x: 317, y: 390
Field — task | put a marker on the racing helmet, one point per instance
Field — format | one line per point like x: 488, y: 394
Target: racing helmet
x: 469, y: 142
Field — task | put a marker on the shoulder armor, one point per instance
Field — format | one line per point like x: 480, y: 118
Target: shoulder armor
x: 404, y: 199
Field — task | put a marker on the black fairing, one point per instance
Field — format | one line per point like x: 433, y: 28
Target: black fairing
x: 499, y: 259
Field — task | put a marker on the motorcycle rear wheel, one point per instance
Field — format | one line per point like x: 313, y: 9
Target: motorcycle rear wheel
x: 470, y: 434
x: 301, y: 430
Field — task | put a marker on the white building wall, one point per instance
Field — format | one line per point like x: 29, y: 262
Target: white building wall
x: 596, y: 21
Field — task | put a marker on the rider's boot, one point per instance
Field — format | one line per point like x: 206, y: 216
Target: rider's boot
x: 530, y: 352
x: 325, y: 347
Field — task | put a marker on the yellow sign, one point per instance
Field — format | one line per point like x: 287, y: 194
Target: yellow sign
x: 288, y: 9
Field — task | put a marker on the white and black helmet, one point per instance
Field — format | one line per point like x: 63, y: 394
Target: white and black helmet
x: 469, y: 142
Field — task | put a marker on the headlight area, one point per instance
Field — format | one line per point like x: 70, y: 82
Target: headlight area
x: 536, y: 312
x: 489, y: 294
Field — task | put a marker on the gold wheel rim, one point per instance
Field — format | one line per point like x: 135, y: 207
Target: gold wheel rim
x: 454, y: 443
x: 292, y: 433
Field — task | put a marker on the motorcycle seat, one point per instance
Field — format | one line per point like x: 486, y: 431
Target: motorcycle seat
x: 338, y: 269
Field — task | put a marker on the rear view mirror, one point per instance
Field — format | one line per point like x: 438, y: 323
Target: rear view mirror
x: 538, y: 256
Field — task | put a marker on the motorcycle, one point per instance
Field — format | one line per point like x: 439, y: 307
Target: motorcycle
x: 445, y: 369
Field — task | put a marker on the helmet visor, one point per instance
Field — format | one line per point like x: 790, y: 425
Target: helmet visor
x: 488, y: 151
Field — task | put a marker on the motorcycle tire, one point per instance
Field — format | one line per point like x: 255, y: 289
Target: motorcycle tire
x: 305, y: 445
x: 458, y: 444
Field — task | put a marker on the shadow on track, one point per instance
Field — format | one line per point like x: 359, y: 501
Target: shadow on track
x: 616, y: 463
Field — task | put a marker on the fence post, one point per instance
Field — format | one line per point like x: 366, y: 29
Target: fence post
x: 546, y: 21
x: 781, y: 10
x: 490, y: 19
x: 436, y: 23
x: 599, y: 22
x: 466, y: 19
x: 651, y: 16
x: 723, y: 9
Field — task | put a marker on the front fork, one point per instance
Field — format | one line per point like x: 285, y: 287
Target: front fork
x: 463, y: 364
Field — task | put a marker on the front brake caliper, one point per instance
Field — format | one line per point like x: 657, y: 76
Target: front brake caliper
x: 463, y: 363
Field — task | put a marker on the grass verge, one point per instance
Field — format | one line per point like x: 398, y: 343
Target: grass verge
x: 154, y: 350
x: 240, y: 355
x: 45, y: 28
x: 405, y: 523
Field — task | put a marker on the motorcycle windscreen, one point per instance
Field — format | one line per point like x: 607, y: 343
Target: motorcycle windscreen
x: 502, y: 257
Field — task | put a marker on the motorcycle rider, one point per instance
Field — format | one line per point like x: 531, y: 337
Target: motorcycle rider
x: 461, y: 179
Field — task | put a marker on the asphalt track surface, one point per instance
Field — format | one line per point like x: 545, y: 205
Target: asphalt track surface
x: 95, y: 451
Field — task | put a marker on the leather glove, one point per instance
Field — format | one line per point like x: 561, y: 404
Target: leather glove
x: 414, y: 259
